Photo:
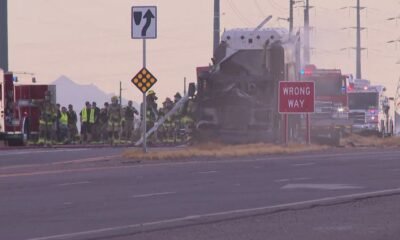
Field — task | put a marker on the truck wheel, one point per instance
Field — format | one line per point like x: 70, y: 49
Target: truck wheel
x: 23, y: 139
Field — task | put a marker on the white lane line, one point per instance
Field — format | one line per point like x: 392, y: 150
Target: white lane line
x: 152, y: 194
x: 42, y: 151
x: 266, y: 209
x: 293, y: 179
x: 301, y: 179
x: 208, y: 172
x: 303, y: 164
x: 73, y: 183
x: 321, y: 186
x: 282, y: 180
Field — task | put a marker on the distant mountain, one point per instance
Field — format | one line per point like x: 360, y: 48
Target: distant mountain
x: 69, y: 92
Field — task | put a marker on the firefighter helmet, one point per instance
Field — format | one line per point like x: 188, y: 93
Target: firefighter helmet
x: 114, y: 99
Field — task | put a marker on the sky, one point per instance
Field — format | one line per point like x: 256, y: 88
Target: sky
x: 89, y: 40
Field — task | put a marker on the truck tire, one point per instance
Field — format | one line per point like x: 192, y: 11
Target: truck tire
x: 23, y: 139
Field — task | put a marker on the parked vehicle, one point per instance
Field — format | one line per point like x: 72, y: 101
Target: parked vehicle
x: 330, y: 120
x: 369, y: 108
x: 20, y: 106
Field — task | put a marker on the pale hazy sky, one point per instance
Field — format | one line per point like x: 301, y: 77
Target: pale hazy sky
x: 89, y: 40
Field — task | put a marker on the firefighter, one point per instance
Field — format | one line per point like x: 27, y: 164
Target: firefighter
x: 177, y: 97
x: 46, y: 120
x: 57, y: 121
x: 103, y: 122
x: 87, y: 120
x: 168, y: 126
x: 72, y: 121
x: 151, y: 111
x: 129, y: 117
x: 114, y: 121
x: 188, y: 120
x: 63, y: 126
x: 95, y: 129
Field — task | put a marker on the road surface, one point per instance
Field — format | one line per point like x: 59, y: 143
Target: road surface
x: 338, y: 194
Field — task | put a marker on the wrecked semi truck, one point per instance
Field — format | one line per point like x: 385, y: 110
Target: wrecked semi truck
x: 237, y: 96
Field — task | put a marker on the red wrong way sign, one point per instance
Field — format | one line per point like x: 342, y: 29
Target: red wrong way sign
x: 296, y: 97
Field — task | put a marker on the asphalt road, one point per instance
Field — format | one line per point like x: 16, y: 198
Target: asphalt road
x: 331, y: 195
x: 20, y: 157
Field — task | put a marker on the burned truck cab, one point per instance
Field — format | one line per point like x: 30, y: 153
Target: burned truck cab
x: 237, y: 96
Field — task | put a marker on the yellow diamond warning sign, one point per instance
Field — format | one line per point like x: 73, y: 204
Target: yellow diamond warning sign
x: 144, y: 80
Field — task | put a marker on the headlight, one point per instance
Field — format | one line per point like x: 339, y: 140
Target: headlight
x: 340, y: 109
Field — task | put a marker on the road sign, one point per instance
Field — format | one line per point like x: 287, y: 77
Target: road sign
x: 296, y: 97
x: 144, y: 22
x: 144, y: 80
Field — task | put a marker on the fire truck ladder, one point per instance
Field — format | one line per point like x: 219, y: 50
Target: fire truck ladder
x: 160, y: 122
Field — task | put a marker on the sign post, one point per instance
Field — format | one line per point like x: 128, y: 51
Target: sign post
x: 144, y: 26
x: 144, y: 110
x: 296, y: 98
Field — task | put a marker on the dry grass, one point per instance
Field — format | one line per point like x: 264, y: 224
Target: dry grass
x: 370, y: 141
x: 214, y: 150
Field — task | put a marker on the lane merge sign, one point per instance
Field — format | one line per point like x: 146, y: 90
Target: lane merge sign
x: 296, y: 97
x: 144, y: 22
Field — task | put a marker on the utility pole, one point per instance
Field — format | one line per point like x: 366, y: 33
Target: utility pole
x: 291, y: 19
x: 3, y: 35
x: 120, y: 93
x: 184, y: 87
x: 358, y: 48
x: 307, y: 32
x: 217, y: 17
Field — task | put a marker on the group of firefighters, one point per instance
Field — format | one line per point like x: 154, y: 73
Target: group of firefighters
x: 112, y: 123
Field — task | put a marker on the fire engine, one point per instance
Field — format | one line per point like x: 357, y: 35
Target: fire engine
x: 370, y: 108
x: 330, y: 120
x: 20, y: 106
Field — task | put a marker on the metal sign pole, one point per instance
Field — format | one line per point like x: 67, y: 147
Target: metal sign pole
x: 308, y: 134
x: 286, y: 129
x: 144, y: 103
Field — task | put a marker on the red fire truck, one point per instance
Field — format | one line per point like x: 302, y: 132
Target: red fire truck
x: 20, y: 106
x: 330, y: 119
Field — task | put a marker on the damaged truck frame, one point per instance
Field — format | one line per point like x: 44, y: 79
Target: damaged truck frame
x: 237, y: 96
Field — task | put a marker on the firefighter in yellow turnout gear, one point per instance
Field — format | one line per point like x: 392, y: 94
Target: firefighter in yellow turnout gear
x: 47, y: 121
x: 47, y: 124
x: 167, y: 129
x: 114, y: 121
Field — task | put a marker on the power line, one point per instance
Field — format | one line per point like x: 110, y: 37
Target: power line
x: 258, y: 6
x: 237, y: 12
x: 274, y: 6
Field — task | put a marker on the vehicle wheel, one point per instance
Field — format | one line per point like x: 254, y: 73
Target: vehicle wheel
x: 23, y: 140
